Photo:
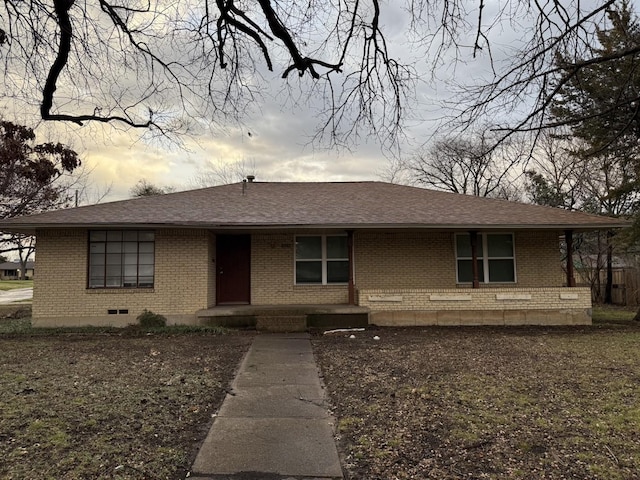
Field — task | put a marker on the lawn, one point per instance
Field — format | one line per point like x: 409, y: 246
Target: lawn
x: 13, y: 284
x: 420, y: 403
x: 112, y: 405
x: 486, y: 403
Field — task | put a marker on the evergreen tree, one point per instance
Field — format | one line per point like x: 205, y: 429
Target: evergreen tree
x: 600, y: 105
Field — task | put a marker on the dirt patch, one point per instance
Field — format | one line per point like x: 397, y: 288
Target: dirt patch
x: 494, y: 403
x: 110, y: 406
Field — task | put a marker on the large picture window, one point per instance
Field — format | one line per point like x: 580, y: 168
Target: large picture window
x: 322, y: 259
x: 121, y: 258
x: 496, y: 258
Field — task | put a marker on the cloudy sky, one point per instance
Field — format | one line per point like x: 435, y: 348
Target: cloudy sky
x: 275, y: 136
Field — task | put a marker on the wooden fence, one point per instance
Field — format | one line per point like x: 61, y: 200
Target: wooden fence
x: 626, y: 286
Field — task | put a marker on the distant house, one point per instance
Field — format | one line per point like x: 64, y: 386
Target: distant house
x: 401, y: 255
x: 13, y: 270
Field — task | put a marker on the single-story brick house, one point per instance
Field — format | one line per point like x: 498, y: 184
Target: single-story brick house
x: 13, y: 270
x: 403, y: 255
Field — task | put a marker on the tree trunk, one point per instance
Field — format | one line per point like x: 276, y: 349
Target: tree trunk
x: 23, y: 269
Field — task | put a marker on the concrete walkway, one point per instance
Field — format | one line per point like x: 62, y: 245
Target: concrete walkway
x: 15, y: 295
x: 274, y: 425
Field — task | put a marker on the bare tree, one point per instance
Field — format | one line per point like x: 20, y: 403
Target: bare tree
x: 554, y: 176
x: 223, y: 173
x: 144, y: 188
x: 470, y: 166
x: 170, y: 65
x: 26, y: 247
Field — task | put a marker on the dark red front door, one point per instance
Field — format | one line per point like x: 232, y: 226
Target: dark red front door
x: 233, y: 269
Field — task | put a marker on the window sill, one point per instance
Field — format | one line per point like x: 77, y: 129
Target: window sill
x: 119, y: 290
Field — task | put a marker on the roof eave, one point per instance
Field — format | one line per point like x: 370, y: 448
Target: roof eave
x: 31, y: 228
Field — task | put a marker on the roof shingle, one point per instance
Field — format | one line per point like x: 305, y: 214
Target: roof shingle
x: 315, y: 205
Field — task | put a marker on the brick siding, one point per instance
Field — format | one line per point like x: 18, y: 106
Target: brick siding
x: 185, y: 273
x: 61, y: 297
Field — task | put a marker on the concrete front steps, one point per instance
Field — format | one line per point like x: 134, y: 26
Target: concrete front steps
x: 285, y: 318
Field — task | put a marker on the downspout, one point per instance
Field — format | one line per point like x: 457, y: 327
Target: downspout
x: 351, y: 288
x: 473, y: 238
x: 568, y: 237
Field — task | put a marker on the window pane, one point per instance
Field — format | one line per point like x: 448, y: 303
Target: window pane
x: 145, y: 282
x: 146, y: 247
x: 114, y: 258
x: 97, y: 247
x: 114, y: 270
x: 130, y: 247
x: 130, y: 259
x: 115, y: 247
x: 97, y: 271
x: 337, y: 247
x: 501, y: 271
x: 465, y: 275
x: 338, y: 272
x: 308, y: 247
x: 130, y: 235
x: 97, y: 259
x: 500, y: 245
x: 95, y: 282
x: 114, y: 281
x: 146, y: 236
x: 130, y: 270
x: 146, y: 270
x: 146, y: 259
x: 308, y: 272
x: 99, y: 236
x: 114, y: 236
x: 130, y: 281
x: 463, y: 245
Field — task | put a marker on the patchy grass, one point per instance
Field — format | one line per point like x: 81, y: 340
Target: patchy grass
x: 13, y: 284
x: 23, y: 326
x: 608, y: 314
x: 126, y: 405
x: 486, y: 403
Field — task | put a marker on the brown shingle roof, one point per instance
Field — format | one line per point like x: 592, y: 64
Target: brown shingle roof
x: 315, y: 205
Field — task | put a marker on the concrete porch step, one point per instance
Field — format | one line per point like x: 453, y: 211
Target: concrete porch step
x: 281, y: 323
x: 285, y: 318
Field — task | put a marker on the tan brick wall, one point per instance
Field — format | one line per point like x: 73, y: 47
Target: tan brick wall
x: 61, y: 296
x: 404, y: 260
x: 538, y: 260
x: 185, y: 272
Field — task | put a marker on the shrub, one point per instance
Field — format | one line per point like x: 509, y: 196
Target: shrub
x: 148, y: 319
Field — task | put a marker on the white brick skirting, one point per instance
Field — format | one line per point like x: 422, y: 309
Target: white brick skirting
x: 485, y: 306
x: 476, y: 299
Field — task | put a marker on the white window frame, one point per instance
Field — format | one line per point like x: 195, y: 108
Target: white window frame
x: 324, y: 260
x: 484, y: 256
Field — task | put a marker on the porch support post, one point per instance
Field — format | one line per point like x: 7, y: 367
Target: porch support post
x: 473, y: 237
x: 352, y: 291
x: 568, y: 237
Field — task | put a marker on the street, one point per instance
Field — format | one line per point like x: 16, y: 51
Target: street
x: 16, y: 295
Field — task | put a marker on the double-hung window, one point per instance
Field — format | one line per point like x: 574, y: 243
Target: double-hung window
x: 121, y: 258
x: 496, y: 258
x: 322, y: 259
